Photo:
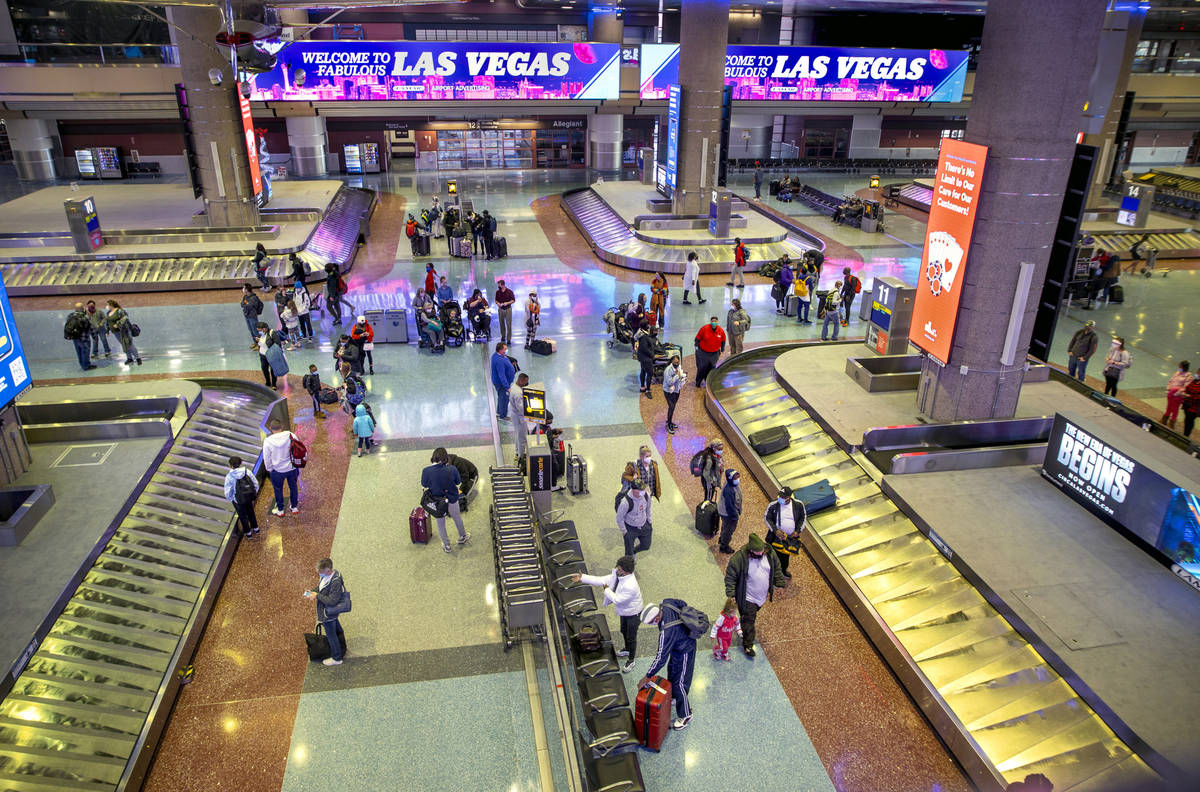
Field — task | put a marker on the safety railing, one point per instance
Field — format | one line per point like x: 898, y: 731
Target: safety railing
x: 100, y: 54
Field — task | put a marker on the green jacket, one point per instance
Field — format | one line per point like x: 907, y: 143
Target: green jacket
x: 736, y: 575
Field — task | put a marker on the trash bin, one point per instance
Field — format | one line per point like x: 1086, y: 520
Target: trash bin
x: 376, y: 320
x: 395, y: 325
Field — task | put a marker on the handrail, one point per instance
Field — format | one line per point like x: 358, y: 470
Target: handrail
x: 43, y: 52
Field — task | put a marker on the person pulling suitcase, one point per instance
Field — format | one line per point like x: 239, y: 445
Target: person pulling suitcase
x: 679, y: 625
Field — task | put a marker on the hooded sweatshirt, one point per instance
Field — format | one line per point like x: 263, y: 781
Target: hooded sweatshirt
x: 363, y: 425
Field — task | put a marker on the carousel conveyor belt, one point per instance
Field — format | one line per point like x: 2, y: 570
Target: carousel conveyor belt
x: 1169, y: 245
x: 997, y: 703
x: 78, y: 714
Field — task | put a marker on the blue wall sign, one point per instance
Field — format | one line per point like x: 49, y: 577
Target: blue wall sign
x: 14, y: 371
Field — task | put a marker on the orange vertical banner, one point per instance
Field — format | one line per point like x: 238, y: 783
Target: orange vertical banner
x: 947, y: 240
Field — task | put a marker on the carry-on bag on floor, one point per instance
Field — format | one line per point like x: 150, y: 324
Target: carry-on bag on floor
x: 816, y: 497
x: 707, y: 519
x: 652, y: 713
x: 500, y: 247
x: 541, y: 346
x: 462, y: 247
x: 577, y: 473
x: 318, y: 644
x: 1116, y: 294
x: 773, y: 187
x: 418, y: 526
x: 768, y: 441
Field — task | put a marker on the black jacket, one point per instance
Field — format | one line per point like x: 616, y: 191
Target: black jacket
x: 330, y: 595
x: 645, y: 349
x: 251, y: 305
x: 736, y: 575
x: 799, y: 514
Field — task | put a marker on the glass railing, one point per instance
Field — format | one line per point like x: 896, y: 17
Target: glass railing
x: 1163, y: 65
x: 102, y: 54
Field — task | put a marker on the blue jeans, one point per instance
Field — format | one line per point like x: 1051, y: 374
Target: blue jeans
x: 501, y: 402
x: 802, y: 311
x: 83, y: 352
x: 252, y: 326
x: 97, y: 338
x: 292, y: 477
x: 831, y: 318
x: 1076, y: 367
x: 337, y: 638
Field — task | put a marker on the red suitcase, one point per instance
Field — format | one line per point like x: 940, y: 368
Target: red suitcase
x: 418, y: 526
x: 652, y: 713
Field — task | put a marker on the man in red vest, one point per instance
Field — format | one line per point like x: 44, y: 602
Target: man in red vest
x: 710, y: 343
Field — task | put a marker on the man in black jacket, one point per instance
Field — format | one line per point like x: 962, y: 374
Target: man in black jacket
x: 784, y: 518
x: 645, y: 356
x: 333, y: 292
x: 751, y: 578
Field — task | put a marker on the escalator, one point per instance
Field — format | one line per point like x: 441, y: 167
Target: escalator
x: 81, y: 713
x: 613, y: 240
x: 998, y: 705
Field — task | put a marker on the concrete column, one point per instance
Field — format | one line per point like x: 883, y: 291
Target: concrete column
x: 307, y: 142
x: 1118, y: 43
x: 750, y: 136
x: 605, y: 134
x: 33, y: 142
x: 1034, y: 54
x: 864, y: 135
x: 216, y: 119
x: 704, y: 31
x: 8, y: 34
x: 606, y: 26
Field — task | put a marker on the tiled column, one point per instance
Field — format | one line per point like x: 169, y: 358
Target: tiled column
x: 306, y: 139
x: 216, y: 119
x: 703, y: 34
x: 1035, y: 63
x: 33, y: 144
x: 606, y: 132
x: 1118, y: 44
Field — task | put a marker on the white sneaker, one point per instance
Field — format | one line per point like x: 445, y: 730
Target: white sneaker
x: 623, y: 653
x: 295, y: 510
x: 277, y: 512
x: 625, y: 669
x: 465, y: 538
x: 446, y: 547
x: 678, y: 724
x: 329, y: 661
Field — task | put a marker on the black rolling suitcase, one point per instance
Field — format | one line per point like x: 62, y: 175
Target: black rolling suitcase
x: 768, y: 441
x: 707, y: 519
x: 1116, y: 294
x: 499, y: 247
x: 773, y: 187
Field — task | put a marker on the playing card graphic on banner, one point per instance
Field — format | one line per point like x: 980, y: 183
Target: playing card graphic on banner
x: 947, y: 239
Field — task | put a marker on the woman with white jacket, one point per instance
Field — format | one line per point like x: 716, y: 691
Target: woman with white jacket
x: 622, y: 590
x: 691, y: 278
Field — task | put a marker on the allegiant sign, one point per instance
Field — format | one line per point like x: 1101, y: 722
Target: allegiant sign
x: 327, y: 71
x: 832, y: 74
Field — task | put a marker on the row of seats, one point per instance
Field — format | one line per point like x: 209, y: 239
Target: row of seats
x: 858, y: 165
x: 143, y: 168
x: 821, y: 201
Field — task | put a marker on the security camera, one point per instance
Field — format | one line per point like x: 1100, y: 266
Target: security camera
x: 215, y: 77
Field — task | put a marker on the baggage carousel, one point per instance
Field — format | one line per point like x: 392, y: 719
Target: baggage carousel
x: 84, y: 705
x: 1001, y: 708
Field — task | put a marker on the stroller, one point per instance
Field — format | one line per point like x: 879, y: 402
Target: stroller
x: 621, y: 332
x: 451, y: 315
x: 481, y: 326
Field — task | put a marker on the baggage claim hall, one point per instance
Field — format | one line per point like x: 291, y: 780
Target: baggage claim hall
x: 565, y: 396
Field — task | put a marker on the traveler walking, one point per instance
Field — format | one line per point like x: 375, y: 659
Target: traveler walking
x: 443, y: 481
x: 674, y: 378
x: 1081, y: 349
x: 710, y: 343
x: 751, y: 578
x: 1115, y: 362
x: 621, y: 589
x: 785, y: 518
x: 260, y: 266
x: 850, y: 287
x: 758, y: 180
x: 124, y: 329
x: 99, y: 322
x: 677, y: 651
x: 279, y: 459
x: 729, y: 507
x: 691, y: 278
x: 503, y: 374
x: 78, y: 330
x: 252, y: 308
x: 312, y: 384
x: 644, y: 350
x: 739, y: 264
x: 737, y: 322
x: 633, y: 518
x: 1175, y: 387
x: 516, y: 411
x: 333, y: 292
x: 504, y: 303
x: 833, y: 312
x: 332, y: 600
x: 723, y: 629
x: 241, y: 489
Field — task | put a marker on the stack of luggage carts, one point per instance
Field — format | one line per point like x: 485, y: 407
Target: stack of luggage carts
x: 519, y: 576
x: 608, y: 746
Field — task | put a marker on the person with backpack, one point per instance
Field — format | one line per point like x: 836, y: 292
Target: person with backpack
x: 78, y: 330
x: 751, y: 578
x: 442, y: 481
x: 410, y: 231
x: 241, y: 489
x: 312, y: 384
x: 851, y: 286
x: 489, y: 235
x: 621, y: 589
x: 252, y: 308
x: 121, y: 325
x: 283, y: 456
x: 708, y: 465
x: 710, y: 343
x: 334, y: 289
x: 674, y: 378
x: 729, y: 508
x: 832, y: 311
x: 679, y: 626
x: 805, y: 288
x: 633, y: 518
x: 99, y: 328
x: 739, y: 264
x: 260, y: 266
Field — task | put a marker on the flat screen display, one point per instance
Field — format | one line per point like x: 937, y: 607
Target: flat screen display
x: 535, y: 403
x: 332, y: 71
x: 673, y: 102
x: 14, y: 371
x: 251, y: 144
x: 820, y: 74
x: 350, y: 153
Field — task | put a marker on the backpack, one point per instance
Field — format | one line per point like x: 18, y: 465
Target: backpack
x: 695, y: 622
x: 341, y: 285
x: 491, y: 224
x: 76, y: 327
x: 697, y: 463
x: 800, y: 288
x: 624, y: 493
x: 258, y: 305
x: 244, y: 490
x: 299, y: 452
x: 857, y: 284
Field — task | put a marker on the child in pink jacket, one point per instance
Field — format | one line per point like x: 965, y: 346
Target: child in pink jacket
x: 724, y: 628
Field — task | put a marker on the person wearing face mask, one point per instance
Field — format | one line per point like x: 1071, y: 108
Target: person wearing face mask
x: 633, y: 518
x: 1115, y: 362
x: 729, y: 507
x: 737, y: 322
x: 710, y: 343
x: 328, y: 595
x: 644, y: 468
x: 751, y: 578
x: 644, y: 352
x: 673, y: 379
x: 784, y: 518
x: 712, y: 468
x: 622, y: 590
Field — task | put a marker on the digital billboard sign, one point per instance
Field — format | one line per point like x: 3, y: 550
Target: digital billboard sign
x: 330, y: 71
x: 14, y: 371
x: 251, y: 144
x: 673, y: 136
x: 947, y: 240
x: 820, y: 74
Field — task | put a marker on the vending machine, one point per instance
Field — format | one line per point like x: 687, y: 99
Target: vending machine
x: 370, y: 157
x: 108, y: 162
x: 85, y: 160
x: 352, y: 158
